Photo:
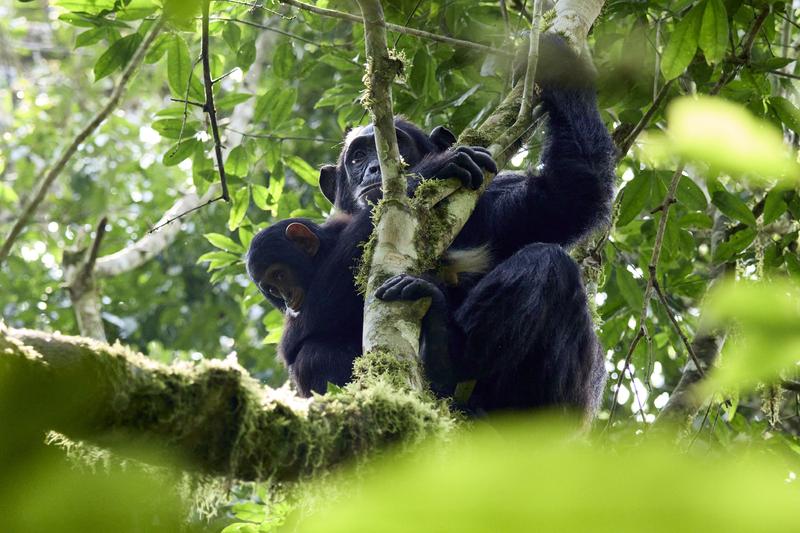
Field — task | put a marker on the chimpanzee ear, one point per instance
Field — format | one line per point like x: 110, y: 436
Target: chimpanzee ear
x: 327, y: 182
x: 301, y: 235
x: 442, y: 138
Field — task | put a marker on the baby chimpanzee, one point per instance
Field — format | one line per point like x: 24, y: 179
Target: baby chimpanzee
x: 306, y: 270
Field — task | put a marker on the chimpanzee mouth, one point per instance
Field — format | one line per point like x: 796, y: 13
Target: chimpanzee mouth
x: 370, y: 192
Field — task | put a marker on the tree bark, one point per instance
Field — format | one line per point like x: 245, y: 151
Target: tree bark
x: 212, y: 415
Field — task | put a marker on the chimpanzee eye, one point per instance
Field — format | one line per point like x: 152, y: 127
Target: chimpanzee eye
x: 274, y: 292
x: 358, y: 156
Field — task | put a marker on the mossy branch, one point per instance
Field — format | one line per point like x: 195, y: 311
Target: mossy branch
x: 211, y: 414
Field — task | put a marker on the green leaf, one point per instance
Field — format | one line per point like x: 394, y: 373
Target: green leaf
x: 339, y: 63
x: 158, y: 48
x: 7, y: 194
x: 728, y: 138
x: 224, y: 243
x: 179, y: 66
x: 231, y: 100
x: 738, y: 242
x: 117, y: 55
x: 261, y: 197
x: 767, y: 320
x: 245, y: 236
x: 238, y: 162
x: 303, y: 170
x: 774, y: 206
x: 283, y: 60
x: 91, y: 36
x: 635, y: 196
x: 628, y: 287
x: 714, y: 31
x: 732, y: 207
x: 240, y: 203
x: 682, y: 44
x: 787, y: 112
x: 690, y: 194
x: 275, y: 106
x: 246, y: 54
x: 232, y: 34
x: 170, y: 128
x: 179, y: 152
x: 218, y: 259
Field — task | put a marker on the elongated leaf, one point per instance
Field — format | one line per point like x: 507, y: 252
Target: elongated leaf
x: 241, y: 201
x: 787, y: 112
x: 738, y: 242
x: 714, y: 31
x: 117, y: 55
x: 179, y: 152
x: 732, y: 207
x: 635, y: 197
x: 179, y: 66
x: 304, y: 171
x: 774, y: 206
x: 682, y: 44
x: 224, y: 242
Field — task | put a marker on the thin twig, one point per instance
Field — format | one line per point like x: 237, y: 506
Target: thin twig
x: 88, y: 266
x: 332, y: 13
x: 747, y: 44
x: 268, y: 28
x: 186, y: 102
x: 645, y: 120
x: 640, y: 333
x: 533, y: 60
x: 282, y: 137
x: 181, y: 215
x: 678, y: 330
x: 209, y: 107
x: 253, y: 6
x: 784, y: 74
x: 504, y: 14
x: 47, y: 180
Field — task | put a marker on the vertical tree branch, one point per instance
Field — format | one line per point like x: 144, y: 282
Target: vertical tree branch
x: 209, y: 108
x: 47, y: 180
x: 533, y: 59
x: 392, y: 327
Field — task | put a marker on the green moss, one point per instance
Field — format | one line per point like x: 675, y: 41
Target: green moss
x: 434, y: 224
x: 368, y: 248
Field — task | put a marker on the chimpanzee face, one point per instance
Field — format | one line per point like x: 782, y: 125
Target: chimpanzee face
x: 362, y: 166
x: 356, y: 180
x: 281, y: 263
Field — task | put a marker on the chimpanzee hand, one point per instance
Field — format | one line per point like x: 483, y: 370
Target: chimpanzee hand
x: 434, y: 334
x: 408, y: 288
x: 465, y: 163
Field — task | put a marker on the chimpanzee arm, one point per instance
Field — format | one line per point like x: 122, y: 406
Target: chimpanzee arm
x: 434, y: 335
x: 318, y: 363
x: 568, y: 197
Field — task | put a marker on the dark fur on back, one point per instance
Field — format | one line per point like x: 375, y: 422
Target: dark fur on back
x: 522, y: 330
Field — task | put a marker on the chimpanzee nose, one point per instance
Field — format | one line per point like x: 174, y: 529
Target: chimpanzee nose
x: 374, y: 167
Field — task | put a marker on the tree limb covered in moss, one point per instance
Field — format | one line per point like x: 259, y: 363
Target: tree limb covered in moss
x: 390, y: 327
x: 55, y: 170
x: 211, y: 414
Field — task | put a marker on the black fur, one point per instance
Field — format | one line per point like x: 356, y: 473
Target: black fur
x: 355, y: 180
x: 321, y: 341
x: 523, y: 330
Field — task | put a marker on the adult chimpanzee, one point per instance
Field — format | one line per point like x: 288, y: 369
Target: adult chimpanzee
x: 305, y: 270
x: 523, y: 330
